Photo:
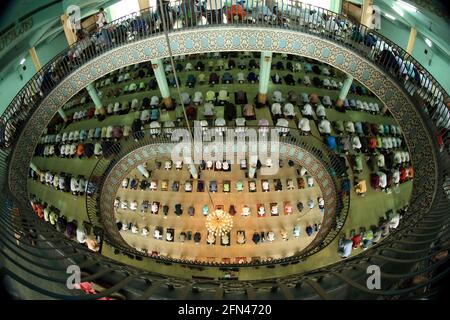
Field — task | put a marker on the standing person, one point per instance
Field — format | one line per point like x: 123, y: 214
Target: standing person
x: 102, y: 26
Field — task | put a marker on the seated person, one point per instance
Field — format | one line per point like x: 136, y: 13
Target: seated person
x: 240, y: 237
x: 222, y: 97
x: 261, y: 210
x: 289, y: 79
x: 210, y: 239
x: 213, y: 78
x: 154, y: 208
x: 205, y: 210
x: 240, y: 78
x: 133, y: 205
x: 226, y: 166
x: 213, y: 186
x: 282, y: 126
x: 201, y: 78
x: 265, y: 185
x: 178, y: 165
x: 270, y: 236
x: 276, y: 109
x: 252, y: 186
x: 218, y: 165
x: 320, y: 112
x: 306, y: 81
x: 190, y: 82
x: 277, y: 96
x: 191, y: 112
x: 145, y: 232
x: 307, y: 111
x: 290, y: 184
x: 134, y: 229
x: 304, y: 126
x: 326, y: 101
x: 169, y: 235
x: 188, y: 186
x: 225, y: 239
x: 361, y: 187
x: 226, y: 186
x: 200, y: 66
x: 188, y: 67
x: 274, y: 209
x: 288, y: 208
x: 276, y: 79
x: 310, y: 181
x: 356, y: 144
x: 256, y: 237
x: 185, y: 98
x: 288, y: 110
x: 293, y: 97
x: 210, y: 96
x: 157, y: 234
x: 252, y: 77
x: 309, y: 230
x: 338, y: 126
x: 278, y: 185
x: 197, y: 237
x: 249, y: 112
x: 239, y: 186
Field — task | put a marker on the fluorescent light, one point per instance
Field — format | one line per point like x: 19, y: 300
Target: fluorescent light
x: 387, y: 15
x: 398, y: 10
x: 428, y: 42
x: 406, y: 6
x: 22, y: 61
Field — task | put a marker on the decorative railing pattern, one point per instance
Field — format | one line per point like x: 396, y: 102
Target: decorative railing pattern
x: 28, y: 246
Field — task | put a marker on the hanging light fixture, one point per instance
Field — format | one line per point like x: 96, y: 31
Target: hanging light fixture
x: 219, y: 222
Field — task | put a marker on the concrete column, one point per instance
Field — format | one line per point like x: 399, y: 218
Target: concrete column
x: 252, y: 166
x: 336, y: 6
x: 62, y: 114
x: 411, y: 40
x: 35, y: 59
x: 264, y: 75
x: 143, y: 171
x: 35, y: 168
x: 160, y: 76
x: 70, y: 35
x: 95, y: 98
x: 344, y: 91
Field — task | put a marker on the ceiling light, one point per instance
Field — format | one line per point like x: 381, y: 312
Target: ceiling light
x: 407, y: 6
x: 398, y: 10
x: 22, y: 61
x: 428, y: 42
x: 387, y: 15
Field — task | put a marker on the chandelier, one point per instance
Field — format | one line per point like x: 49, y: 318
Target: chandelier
x: 219, y: 222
